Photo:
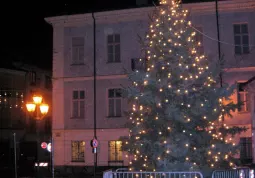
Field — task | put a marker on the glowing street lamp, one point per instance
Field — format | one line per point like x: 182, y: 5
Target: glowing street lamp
x: 30, y: 107
x: 37, y: 99
x: 40, y: 109
x: 44, y: 109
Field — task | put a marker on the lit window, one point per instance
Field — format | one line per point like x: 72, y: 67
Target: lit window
x: 243, y: 98
x: 78, y: 151
x: 115, y: 152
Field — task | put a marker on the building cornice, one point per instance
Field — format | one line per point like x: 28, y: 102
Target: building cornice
x: 123, y: 76
x: 240, y: 69
x: 11, y: 71
x: 84, y: 78
x: 142, y: 13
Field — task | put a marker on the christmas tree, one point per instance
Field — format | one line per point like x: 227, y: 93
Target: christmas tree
x: 176, y: 122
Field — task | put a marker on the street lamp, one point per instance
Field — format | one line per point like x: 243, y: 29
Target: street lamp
x: 38, y: 110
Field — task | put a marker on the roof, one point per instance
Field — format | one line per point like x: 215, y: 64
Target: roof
x: 134, y: 12
x: 110, y: 5
x: 5, y: 64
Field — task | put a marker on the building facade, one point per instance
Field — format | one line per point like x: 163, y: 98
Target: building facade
x: 18, y: 83
x: 117, y: 48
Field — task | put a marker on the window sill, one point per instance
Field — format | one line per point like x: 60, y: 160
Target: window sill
x: 77, y: 118
x: 114, y: 116
x: 114, y: 62
x: 79, y: 64
x: 244, y: 112
x: 116, y: 161
x: 243, y: 54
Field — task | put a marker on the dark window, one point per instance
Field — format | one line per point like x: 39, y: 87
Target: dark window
x: 113, y: 48
x: 241, y: 38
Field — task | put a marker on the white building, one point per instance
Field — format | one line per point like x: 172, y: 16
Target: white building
x: 116, y: 45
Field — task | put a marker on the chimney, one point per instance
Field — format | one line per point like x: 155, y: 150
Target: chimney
x: 142, y: 2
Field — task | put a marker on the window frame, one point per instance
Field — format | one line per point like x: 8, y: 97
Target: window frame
x: 245, y: 148
x: 121, y: 101
x: 47, y: 82
x: 241, y: 40
x: 118, y: 152
x: 79, y: 151
x: 78, y: 100
x: 113, y: 44
x: 77, y: 62
x: 136, y: 64
x: 32, y: 77
x: 246, y: 103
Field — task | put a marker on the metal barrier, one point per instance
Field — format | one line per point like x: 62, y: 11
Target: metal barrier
x: 234, y: 173
x: 110, y: 174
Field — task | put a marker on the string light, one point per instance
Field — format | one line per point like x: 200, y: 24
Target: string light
x: 174, y: 74
x: 11, y: 99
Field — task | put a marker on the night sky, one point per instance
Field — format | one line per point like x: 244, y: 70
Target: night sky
x: 27, y: 37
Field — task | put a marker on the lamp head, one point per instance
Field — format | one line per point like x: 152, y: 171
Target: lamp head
x: 44, y: 108
x: 37, y: 99
x: 30, y: 107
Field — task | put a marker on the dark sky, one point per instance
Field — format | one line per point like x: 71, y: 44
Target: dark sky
x: 27, y: 37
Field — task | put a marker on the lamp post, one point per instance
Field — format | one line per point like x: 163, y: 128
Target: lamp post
x: 38, y: 110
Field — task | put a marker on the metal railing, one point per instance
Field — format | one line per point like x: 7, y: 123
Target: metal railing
x: 110, y: 174
x: 234, y: 173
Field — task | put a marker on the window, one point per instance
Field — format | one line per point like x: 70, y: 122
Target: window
x: 32, y: 78
x: 114, y: 102
x: 243, y: 97
x: 139, y: 64
x: 47, y: 125
x: 241, y: 38
x: 78, y: 104
x: 38, y: 81
x: 113, y: 45
x: 115, y: 152
x: 48, y: 84
x: 77, y: 50
x: 199, y: 40
x: 245, y: 149
x: 78, y: 151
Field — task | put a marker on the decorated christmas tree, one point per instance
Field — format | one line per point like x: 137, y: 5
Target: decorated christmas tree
x: 177, y: 119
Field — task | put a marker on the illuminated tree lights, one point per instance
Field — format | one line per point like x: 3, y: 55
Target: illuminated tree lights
x: 176, y: 120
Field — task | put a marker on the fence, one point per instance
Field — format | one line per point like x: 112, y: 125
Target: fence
x: 110, y: 174
x: 234, y: 173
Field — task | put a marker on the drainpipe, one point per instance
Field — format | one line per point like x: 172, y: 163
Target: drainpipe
x: 218, y: 37
x: 253, y: 126
x: 95, y: 99
x: 219, y: 48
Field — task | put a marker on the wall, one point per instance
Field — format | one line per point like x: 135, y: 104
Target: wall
x: 62, y: 143
x: 129, y: 24
x: 12, y: 91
